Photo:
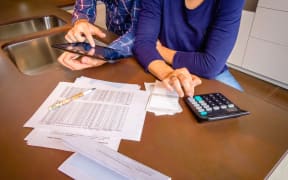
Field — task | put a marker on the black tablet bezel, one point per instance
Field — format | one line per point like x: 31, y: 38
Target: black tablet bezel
x: 99, y: 51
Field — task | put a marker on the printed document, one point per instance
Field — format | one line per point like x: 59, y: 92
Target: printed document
x: 54, y: 140
x: 86, y: 81
x: 80, y: 167
x: 104, y: 112
x: 48, y: 138
x: 93, y: 160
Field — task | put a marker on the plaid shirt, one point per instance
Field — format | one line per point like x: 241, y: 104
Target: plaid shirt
x: 121, y: 18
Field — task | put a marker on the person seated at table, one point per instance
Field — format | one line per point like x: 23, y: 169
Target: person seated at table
x: 121, y: 18
x: 176, y: 40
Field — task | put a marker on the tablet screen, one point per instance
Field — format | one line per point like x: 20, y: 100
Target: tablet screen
x: 85, y: 49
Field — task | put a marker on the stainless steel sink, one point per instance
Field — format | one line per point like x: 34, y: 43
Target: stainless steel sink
x: 35, y: 56
x: 21, y: 28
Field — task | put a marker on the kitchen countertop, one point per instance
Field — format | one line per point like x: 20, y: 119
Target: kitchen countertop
x: 15, y: 10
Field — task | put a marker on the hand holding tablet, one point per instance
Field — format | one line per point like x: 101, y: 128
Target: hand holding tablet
x: 85, y: 49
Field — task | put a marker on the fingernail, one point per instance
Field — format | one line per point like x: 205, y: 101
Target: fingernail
x: 84, y: 60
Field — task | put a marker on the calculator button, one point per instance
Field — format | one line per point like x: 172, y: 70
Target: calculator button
x: 194, y: 103
x: 216, y: 108
x: 199, y: 110
x: 231, y: 105
x: 223, y: 106
x: 203, y: 103
x: 208, y: 109
x: 204, y: 113
x: 212, y: 104
x: 198, y: 98
x: 197, y: 106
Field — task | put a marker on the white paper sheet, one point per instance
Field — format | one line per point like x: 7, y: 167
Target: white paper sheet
x: 105, y: 84
x: 280, y: 170
x: 164, y: 105
x: 40, y: 138
x: 161, y: 100
x: 54, y: 140
x: 80, y: 167
x: 110, y: 159
x: 104, y: 112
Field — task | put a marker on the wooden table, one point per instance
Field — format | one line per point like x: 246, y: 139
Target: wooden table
x: 240, y: 148
x: 178, y: 146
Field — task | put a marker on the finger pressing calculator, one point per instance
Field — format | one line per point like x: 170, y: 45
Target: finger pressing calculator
x: 213, y: 106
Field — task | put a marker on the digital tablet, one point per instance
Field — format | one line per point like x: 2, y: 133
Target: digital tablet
x: 85, y: 49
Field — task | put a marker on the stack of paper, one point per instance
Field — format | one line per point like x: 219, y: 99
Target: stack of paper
x: 112, y: 112
x: 95, y: 161
x: 93, y: 126
x: 162, y: 101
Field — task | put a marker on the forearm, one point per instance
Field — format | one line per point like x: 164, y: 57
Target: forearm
x: 166, y: 53
x: 160, y: 69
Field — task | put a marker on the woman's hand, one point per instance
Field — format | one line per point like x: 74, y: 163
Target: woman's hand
x: 179, y: 80
x: 182, y: 82
x: 82, y: 31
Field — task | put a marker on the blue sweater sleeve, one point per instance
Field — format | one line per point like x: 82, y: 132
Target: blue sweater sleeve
x: 220, y: 40
x: 147, y: 32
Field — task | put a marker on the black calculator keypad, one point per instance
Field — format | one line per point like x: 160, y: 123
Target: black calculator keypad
x: 213, y: 106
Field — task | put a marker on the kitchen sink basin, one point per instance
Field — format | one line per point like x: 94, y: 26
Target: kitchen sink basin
x: 35, y: 56
x: 18, y: 29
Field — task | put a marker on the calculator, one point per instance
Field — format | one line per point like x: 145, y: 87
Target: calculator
x: 213, y: 106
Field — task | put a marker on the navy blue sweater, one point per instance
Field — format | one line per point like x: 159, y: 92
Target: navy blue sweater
x: 203, y: 37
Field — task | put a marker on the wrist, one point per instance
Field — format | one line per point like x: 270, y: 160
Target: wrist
x: 159, y: 69
x: 166, y: 53
x: 80, y: 21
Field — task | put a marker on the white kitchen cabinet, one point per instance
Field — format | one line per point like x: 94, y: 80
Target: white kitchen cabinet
x: 236, y: 56
x: 271, y: 25
x: 267, y: 59
x: 281, y: 5
x: 266, y: 52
